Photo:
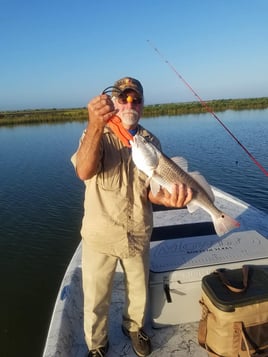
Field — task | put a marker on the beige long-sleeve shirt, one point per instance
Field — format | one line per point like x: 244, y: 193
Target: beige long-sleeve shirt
x: 117, y: 213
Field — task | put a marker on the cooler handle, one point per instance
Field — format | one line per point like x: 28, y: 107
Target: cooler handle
x: 226, y: 282
x: 167, y: 290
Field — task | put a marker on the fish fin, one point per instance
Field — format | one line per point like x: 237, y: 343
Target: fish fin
x: 200, y: 179
x: 181, y: 162
x: 224, y: 224
x: 192, y: 206
x: 147, y: 182
x: 155, y: 187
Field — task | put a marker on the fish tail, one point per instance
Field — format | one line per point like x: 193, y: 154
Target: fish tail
x: 224, y: 224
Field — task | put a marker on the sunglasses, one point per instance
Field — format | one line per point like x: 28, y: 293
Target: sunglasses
x: 124, y: 99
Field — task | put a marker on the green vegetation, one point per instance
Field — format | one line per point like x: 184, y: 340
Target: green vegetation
x: 42, y: 116
x: 80, y: 114
x: 213, y: 105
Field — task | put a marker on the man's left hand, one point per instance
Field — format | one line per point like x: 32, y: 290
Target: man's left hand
x: 180, y: 196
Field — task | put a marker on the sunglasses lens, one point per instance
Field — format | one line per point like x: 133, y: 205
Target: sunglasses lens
x: 137, y: 100
x: 124, y: 99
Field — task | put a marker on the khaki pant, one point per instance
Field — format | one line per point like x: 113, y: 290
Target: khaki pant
x: 98, y: 271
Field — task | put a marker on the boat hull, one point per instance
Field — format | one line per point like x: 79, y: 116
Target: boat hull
x: 66, y: 336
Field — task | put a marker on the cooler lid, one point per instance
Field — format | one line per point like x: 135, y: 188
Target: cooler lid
x: 194, y: 252
x: 227, y: 300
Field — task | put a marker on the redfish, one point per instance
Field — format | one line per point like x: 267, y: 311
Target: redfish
x: 165, y: 172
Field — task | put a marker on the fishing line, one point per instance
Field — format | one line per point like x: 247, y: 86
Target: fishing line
x: 206, y: 106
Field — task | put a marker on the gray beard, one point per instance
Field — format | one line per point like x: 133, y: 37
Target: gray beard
x: 130, y: 117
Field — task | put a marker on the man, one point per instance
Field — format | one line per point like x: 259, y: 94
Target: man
x: 117, y: 221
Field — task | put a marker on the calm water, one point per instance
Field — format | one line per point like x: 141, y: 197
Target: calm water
x: 41, y: 204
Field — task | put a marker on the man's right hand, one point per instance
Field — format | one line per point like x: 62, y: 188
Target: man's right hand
x: 101, y: 110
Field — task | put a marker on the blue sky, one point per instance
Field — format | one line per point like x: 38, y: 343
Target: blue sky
x: 61, y: 53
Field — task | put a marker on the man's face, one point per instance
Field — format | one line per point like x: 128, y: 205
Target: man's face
x: 130, y: 106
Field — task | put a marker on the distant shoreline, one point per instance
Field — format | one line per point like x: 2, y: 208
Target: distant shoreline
x: 35, y: 116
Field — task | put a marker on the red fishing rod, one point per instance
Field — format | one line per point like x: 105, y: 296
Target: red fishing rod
x: 207, y: 107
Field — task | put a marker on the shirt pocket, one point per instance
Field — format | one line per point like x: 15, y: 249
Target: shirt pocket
x: 110, y: 177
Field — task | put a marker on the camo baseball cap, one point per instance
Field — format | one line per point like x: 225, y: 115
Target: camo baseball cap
x: 128, y: 83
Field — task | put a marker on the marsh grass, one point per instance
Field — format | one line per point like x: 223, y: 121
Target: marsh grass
x: 41, y: 116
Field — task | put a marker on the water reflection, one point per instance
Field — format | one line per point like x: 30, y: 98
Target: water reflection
x: 41, y: 203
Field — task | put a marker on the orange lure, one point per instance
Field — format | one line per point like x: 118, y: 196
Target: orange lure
x: 115, y: 123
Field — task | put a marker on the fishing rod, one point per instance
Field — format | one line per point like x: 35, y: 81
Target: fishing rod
x: 207, y: 107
